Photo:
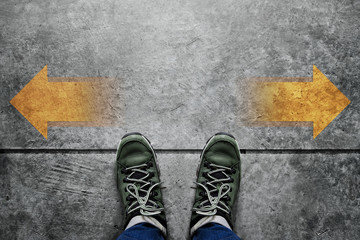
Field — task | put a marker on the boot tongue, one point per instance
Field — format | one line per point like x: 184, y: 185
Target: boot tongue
x: 138, y: 175
x: 218, y: 175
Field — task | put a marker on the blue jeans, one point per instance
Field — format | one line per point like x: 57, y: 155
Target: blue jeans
x: 145, y: 231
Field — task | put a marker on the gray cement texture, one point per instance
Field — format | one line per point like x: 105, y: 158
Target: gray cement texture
x: 180, y: 69
x: 282, y: 196
x: 179, y: 65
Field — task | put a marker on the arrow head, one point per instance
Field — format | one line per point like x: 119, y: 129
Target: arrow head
x: 329, y: 101
x: 31, y: 100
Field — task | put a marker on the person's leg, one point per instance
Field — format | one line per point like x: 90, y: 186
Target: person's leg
x: 142, y: 231
x: 218, y: 180
x: 139, y: 186
x: 214, y: 231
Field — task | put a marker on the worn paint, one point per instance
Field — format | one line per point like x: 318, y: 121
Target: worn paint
x: 318, y: 101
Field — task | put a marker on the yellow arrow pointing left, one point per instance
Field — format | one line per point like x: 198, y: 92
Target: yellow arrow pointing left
x: 75, y: 100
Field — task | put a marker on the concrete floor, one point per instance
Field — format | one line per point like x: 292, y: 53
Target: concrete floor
x: 283, y: 196
x: 180, y: 67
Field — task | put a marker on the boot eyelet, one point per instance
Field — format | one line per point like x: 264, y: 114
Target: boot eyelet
x: 150, y: 164
x: 123, y: 171
x: 204, y: 174
x: 125, y: 179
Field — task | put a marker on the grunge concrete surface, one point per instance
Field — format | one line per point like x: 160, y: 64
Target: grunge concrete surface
x: 180, y: 68
x: 282, y: 196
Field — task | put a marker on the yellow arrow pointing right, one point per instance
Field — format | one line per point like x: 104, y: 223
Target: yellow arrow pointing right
x: 318, y: 101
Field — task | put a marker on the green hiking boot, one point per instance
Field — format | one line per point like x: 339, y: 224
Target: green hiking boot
x: 218, y: 180
x: 138, y: 180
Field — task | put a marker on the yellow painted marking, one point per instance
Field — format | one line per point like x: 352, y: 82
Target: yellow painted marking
x: 41, y: 101
x: 318, y: 101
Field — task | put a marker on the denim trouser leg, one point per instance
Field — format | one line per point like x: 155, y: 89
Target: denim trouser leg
x: 142, y: 231
x: 214, y: 231
x: 145, y: 231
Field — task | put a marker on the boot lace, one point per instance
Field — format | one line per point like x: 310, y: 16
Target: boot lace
x: 215, y: 196
x: 142, y: 194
